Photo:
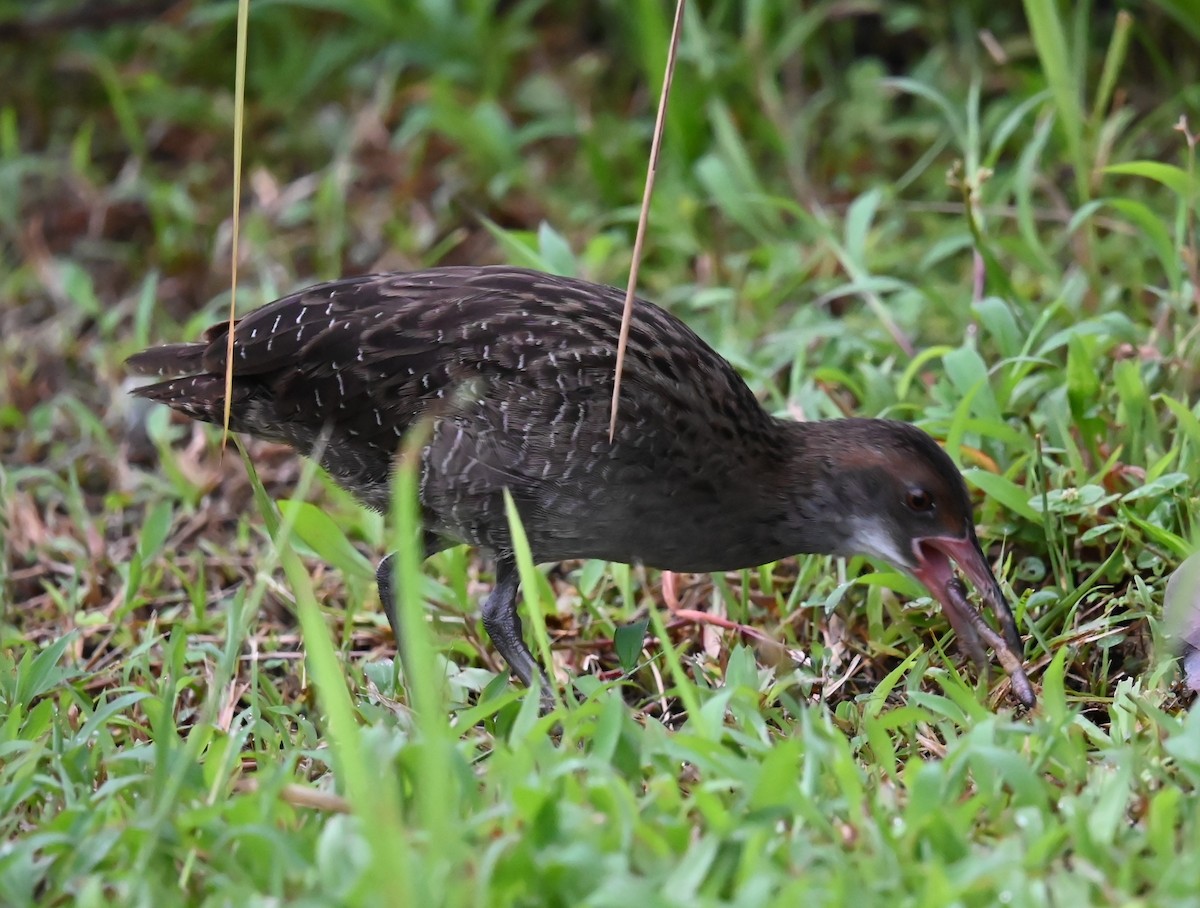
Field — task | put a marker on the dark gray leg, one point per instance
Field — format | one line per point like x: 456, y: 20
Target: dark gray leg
x: 503, y: 624
x: 500, y: 618
x: 383, y: 577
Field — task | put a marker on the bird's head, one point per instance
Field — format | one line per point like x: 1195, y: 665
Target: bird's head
x: 899, y: 498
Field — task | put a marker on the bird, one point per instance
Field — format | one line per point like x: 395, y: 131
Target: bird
x: 511, y: 371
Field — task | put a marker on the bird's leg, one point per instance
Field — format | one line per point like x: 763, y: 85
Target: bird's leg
x: 503, y: 624
x: 500, y: 618
x: 387, y: 598
x: 383, y: 578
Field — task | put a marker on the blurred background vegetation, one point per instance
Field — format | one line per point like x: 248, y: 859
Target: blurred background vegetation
x: 976, y: 216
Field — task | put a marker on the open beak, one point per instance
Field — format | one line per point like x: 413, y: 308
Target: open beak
x: 936, y: 556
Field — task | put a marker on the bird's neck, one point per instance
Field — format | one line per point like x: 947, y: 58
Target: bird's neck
x: 803, y: 490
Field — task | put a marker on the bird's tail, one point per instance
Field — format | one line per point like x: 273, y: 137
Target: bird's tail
x: 186, y: 386
x: 169, y: 359
x: 199, y: 397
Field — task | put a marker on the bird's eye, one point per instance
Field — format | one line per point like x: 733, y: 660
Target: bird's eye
x: 919, y: 500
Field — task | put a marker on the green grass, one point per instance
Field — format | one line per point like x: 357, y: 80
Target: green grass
x: 978, y: 217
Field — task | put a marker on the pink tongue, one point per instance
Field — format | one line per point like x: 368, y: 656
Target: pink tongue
x: 938, y: 570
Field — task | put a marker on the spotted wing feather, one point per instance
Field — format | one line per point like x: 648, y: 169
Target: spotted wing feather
x: 516, y: 364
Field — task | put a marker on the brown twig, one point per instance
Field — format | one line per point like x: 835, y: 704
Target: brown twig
x: 644, y: 215
x: 239, y: 94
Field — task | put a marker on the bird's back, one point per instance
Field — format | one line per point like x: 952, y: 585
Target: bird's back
x: 515, y: 369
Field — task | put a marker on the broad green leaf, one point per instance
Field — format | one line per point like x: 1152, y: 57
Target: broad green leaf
x: 1004, y: 490
x: 1174, y: 178
x: 319, y: 532
x: 628, y: 641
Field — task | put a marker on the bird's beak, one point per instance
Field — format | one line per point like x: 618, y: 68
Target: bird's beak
x: 934, y: 568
